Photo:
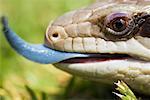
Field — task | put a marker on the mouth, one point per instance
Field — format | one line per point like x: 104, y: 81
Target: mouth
x: 98, y: 58
x: 42, y: 54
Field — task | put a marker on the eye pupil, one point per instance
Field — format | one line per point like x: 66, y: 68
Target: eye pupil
x: 119, y: 25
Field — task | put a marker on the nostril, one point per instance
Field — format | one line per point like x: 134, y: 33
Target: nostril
x: 55, y: 35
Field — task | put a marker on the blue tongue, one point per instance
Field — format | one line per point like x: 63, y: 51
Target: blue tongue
x: 37, y: 53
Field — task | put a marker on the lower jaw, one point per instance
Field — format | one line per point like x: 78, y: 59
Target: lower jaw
x: 134, y: 72
x: 108, y: 70
x: 108, y: 67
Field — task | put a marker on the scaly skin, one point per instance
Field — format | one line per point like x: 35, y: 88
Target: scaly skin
x: 82, y: 31
x: 78, y: 29
x: 92, y: 34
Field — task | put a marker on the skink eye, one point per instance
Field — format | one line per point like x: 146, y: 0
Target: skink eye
x: 116, y: 23
x: 119, y: 25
